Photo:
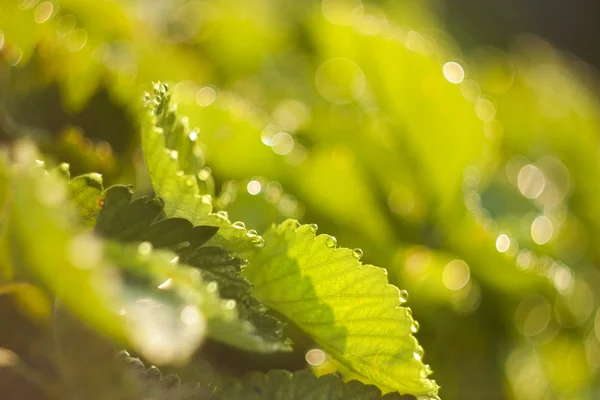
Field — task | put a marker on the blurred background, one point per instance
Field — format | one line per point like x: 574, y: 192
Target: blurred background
x: 456, y: 142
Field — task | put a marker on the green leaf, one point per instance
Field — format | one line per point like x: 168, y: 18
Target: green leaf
x: 175, y: 177
x: 302, y: 385
x: 168, y: 387
x: 78, y: 346
x: 84, y: 191
x: 88, y: 275
x: 349, y: 309
x: 44, y: 244
x: 142, y: 220
x: 112, y: 287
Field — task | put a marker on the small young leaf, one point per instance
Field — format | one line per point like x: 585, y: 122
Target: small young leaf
x: 85, y: 192
x: 175, y: 179
x: 349, y: 309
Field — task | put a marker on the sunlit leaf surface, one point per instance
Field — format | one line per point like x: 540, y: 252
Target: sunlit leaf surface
x: 348, y: 308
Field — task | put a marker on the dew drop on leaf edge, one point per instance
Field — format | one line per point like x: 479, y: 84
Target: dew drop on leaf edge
x: 415, y: 327
x: 403, y: 296
x: 239, y: 225
x: 331, y: 242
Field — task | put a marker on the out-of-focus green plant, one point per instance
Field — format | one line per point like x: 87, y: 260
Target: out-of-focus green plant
x: 471, y: 177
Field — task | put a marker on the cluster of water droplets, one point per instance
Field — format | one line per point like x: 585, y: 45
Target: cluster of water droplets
x: 560, y: 275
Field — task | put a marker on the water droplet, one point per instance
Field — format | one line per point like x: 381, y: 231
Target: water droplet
x: 239, y: 225
x: 76, y: 40
x: 313, y: 227
x: 212, y: 287
x: 331, y: 241
x: 415, y: 327
x: 173, y: 154
x: 254, y: 187
x: 541, y: 230
x: 456, y: 274
x: 64, y: 167
x: 283, y: 143
x: 191, y: 315
x: 193, y: 136
x: 166, y: 284
x: 315, y: 357
x: 252, y: 233
x: 357, y: 253
x: 204, y: 174
x: 206, y: 96
x: 145, y: 248
x: 222, y: 214
x: 408, y: 312
x: 453, y: 72
x: 502, y: 243
x: 531, y: 181
x: 97, y: 178
x: 230, y: 304
x: 43, y: 12
x: 485, y: 109
x: 419, y: 352
x: 403, y: 296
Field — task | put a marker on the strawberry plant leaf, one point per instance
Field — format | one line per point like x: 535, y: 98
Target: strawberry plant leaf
x: 76, y: 346
x: 128, y: 292
x: 85, y: 192
x: 348, y: 308
x: 144, y: 220
x: 301, y: 385
x: 175, y: 178
x: 157, y: 386
x: 274, y: 385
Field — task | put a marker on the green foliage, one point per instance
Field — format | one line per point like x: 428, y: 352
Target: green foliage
x: 85, y: 192
x: 276, y: 385
x: 470, y: 175
x: 142, y: 220
x: 349, y: 309
x: 176, y: 179
x: 282, y: 385
x: 323, y: 309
